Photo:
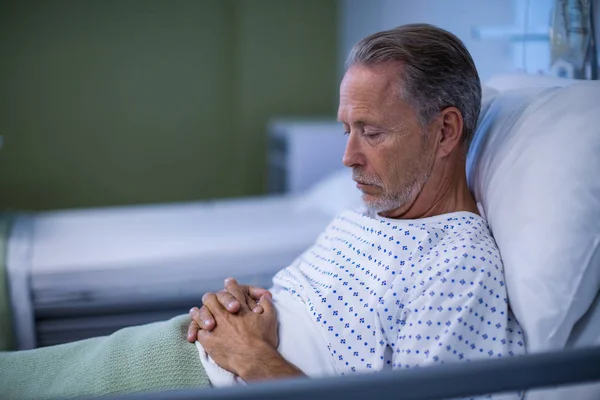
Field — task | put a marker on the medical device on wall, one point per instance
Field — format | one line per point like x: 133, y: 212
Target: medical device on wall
x: 572, y: 41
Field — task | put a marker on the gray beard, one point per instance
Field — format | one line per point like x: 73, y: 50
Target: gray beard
x: 417, y: 175
x: 391, y: 201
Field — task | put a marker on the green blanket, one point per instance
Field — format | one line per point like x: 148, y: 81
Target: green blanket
x: 138, y: 359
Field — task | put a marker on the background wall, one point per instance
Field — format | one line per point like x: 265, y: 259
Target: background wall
x: 501, y: 35
x: 108, y: 102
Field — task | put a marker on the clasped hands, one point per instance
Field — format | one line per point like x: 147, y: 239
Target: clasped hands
x: 237, y: 328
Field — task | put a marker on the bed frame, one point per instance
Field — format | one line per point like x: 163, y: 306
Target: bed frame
x: 544, y: 370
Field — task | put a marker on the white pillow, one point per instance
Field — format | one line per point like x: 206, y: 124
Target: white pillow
x: 488, y: 94
x: 331, y: 195
x: 510, y: 81
x: 533, y: 167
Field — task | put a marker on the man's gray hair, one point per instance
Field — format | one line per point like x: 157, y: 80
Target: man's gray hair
x: 437, y: 70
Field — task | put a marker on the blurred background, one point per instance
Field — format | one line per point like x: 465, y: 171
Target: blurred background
x: 119, y: 102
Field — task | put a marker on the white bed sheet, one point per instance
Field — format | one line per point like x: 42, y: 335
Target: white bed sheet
x: 71, y: 240
x: 165, y: 249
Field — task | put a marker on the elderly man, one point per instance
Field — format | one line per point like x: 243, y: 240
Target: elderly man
x: 415, y: 278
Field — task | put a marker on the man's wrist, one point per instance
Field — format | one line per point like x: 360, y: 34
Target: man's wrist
x: 248, y: 360
x: 264, y: 362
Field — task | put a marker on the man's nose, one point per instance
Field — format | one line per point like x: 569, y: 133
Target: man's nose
x: 352, y: 155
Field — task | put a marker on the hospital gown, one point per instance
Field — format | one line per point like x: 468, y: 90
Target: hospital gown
x: 405, y: 293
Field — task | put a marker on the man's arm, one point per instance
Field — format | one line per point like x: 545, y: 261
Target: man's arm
x: 245, y: 343
x: 458, y: 313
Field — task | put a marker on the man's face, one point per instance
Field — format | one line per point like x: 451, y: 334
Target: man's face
x: 390, y: 153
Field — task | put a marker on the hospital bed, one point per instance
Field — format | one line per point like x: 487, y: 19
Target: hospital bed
x: 533, y: 169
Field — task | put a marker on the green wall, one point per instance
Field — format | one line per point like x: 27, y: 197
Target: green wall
x: 111, y: 102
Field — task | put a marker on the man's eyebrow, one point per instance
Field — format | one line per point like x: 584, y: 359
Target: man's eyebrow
x: 359, y: 122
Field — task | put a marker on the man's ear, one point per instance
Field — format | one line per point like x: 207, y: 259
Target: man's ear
x: 450, y: 125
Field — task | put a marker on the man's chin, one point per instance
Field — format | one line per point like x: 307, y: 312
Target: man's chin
x: 378, y: 205
x: 372, y: 204
x: 368, y: 199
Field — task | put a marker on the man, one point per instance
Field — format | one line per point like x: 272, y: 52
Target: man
x: 416, y: 278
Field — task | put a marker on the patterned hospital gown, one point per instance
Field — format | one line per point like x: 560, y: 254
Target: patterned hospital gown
x: 403, y: 294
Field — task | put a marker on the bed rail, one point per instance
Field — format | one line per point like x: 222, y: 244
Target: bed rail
x: 437, y: 382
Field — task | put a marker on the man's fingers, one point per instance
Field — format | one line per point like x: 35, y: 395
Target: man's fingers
x: 228, y: 301
x: 237, y: 291
x: 246, y: 295
x: 254, y: 306
x: 203, y: 318
x: 206, y: 319
x: 192, y: 332
x: 212, y: 303
x: 203, y: 336
x: 267, y: 305
x: 256, y: 292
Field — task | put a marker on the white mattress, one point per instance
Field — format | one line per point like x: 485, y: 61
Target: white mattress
x: 128, y: 258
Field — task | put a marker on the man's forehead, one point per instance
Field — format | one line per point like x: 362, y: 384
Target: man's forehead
x: 378, y: 78
x: 367, y: 91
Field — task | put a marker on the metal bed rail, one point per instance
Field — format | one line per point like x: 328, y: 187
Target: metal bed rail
x: 481, y: 377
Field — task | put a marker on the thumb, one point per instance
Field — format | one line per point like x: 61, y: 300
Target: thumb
x: 256, y: 292
x: 267, y: 304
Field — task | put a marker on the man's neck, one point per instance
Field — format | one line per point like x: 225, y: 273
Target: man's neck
x: 444, y: 193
